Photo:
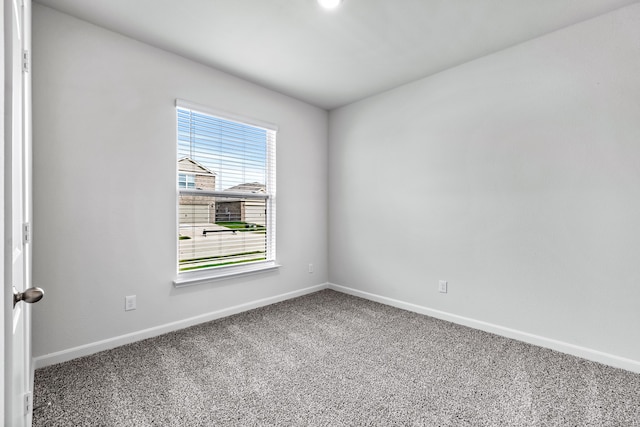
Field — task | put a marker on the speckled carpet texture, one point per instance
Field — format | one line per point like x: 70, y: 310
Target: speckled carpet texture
x: 330, y: 359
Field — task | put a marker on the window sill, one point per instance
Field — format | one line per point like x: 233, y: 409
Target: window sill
x: 205, y: 276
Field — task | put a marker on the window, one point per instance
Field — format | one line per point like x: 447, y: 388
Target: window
x: 186, y: 180
x: 226, y: 194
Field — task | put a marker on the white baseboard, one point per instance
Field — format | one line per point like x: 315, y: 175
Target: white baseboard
x: 563, y: 347
x: 95, y: 347
x: 574, y: 350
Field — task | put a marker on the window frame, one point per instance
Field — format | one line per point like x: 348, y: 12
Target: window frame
x: 188, y: 278
x: 186, y: 180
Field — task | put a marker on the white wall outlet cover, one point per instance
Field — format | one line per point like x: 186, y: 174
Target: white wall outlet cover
x: 442, y: 286
x: 130, y: 302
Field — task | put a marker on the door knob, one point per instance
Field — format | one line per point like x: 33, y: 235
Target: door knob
x: 30, y: 295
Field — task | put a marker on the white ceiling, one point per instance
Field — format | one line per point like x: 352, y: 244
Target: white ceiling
x: 333, y: 58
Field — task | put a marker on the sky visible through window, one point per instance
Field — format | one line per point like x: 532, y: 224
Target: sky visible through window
x: 235, y: 152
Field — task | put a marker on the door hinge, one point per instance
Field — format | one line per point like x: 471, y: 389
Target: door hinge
x: 26, y: 233
x: 25, y: 60
x: 28, y: 402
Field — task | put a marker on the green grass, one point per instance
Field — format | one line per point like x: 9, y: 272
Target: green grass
x: 221, y: 264
x: 218, y: 261
x: 232, y: 224
x: 212, y: 258
x: 219, y: 258
x: 242, y: 226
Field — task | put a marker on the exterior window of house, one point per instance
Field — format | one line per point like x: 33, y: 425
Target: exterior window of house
x: 226, y: 194
x: 186, y: 180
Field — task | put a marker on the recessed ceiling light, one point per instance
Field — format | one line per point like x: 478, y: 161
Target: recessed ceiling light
x: 329, y: 4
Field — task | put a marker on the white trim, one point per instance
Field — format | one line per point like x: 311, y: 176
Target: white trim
x: 4, y: 356
x: 196, y: 277
x: 186, y: 181
x: 215, y: 273
x: 181, y: 103
x: 95, y: 347
x: 574, y: 350
x: 563, y: 347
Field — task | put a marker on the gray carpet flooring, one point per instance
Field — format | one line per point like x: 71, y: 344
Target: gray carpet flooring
x: 330, y: 359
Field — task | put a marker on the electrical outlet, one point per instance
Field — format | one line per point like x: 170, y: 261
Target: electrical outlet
x: 129, y: 303
x: 442, y: 286
x: 310, y: 268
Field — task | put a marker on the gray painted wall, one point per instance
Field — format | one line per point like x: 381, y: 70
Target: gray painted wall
x: 516, y: 177
x: 105, y: 228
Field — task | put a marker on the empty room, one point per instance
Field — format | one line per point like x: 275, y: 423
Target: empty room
x: 321, y: 213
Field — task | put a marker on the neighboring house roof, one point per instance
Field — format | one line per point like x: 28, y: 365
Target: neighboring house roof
x: 187, y: 164
x: 249, y: 187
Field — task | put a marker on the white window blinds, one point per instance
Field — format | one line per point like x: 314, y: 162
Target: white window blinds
x: 226, y: 190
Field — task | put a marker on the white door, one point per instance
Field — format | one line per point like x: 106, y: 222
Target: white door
x: 17, y: 144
